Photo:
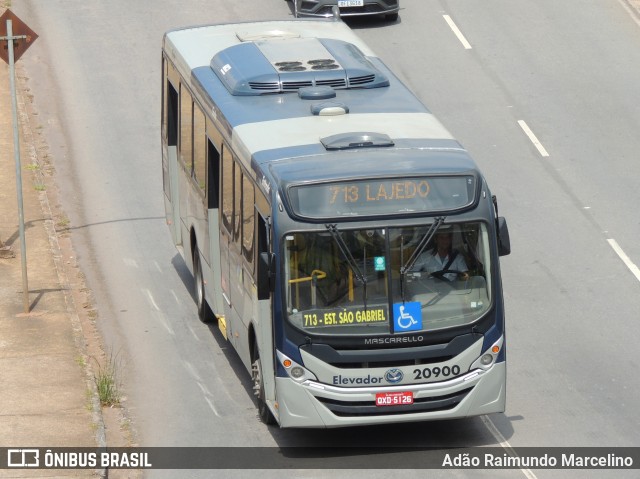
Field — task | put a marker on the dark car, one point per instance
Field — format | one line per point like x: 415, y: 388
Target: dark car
x: 322, y: 8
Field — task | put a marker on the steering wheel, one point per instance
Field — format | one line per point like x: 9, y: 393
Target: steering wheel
x: 441, y: 274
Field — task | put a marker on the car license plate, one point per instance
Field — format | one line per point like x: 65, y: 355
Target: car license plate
x: 350, y: 3
x: 394, y: 399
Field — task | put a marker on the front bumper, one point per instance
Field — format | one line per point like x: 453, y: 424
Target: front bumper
x: 322, y: 8
x: 312, y: 404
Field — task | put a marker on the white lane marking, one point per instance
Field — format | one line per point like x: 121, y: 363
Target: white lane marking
x: 504, y: 444
x: 151, y: 300
x: 213, y: 408
x: 457, y: 32
x: 633, y: 14
x: 192, y: 370
x: 157, y: 312
x: 175, y: 296
x: 625, y: 259
x: 130, y: 262
x: 160, y: 317
x: 207, y: 393
x: 193, y: 333
x: 532, y: 137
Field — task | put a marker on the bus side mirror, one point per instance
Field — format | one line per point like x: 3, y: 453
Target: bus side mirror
x: 265, y: 275
x: 504, y: 243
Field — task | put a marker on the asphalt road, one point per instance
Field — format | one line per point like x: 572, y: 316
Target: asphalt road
x: 543, y: 94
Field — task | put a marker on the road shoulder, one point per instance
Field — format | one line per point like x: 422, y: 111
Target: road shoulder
x: 52, y: 352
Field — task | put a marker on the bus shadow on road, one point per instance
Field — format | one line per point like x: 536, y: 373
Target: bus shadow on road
x: 184, y: 274
x: 229, y: 352
x: 416, y: 445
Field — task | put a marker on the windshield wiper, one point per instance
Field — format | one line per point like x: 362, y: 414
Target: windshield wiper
x: 418, y: 251
x: 344, y: 249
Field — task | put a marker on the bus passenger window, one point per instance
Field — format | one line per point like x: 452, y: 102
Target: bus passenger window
x: 237, y: 200
x: 186, y: 129
x: 227, y: 188
x: 248, y: 218
x: 213, y: 175
x: 172, y: 115
x: 199, y: 148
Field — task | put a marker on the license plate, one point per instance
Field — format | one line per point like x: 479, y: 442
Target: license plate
x: 394, y: 399
x: 350, y: 3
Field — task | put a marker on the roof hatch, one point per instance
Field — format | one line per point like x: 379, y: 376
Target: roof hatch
x: 275, y: 66
x: 347, y: 141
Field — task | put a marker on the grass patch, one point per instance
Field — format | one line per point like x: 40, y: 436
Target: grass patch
x: 63, y: 222
x: 81, y: 362
x: 107, y: 380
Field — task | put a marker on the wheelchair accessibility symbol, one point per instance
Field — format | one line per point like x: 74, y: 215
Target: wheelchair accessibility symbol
x: 407, y: 316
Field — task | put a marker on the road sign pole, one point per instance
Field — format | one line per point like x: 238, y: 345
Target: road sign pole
x: 16, y: 150
x: 16, y: 46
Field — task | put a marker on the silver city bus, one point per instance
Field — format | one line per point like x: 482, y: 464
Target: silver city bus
x: 346, y: 244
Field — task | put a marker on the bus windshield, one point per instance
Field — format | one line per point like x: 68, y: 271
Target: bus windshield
x: 387, y: 280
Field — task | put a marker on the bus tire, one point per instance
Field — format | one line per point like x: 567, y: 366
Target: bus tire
x: 204, y: 313
x: 258, y: 390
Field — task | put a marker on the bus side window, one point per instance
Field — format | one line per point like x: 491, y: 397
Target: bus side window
x: 237, y: 200
x: 263, y: 235
x: 199, y: 148
x: 264, y: 277
x: 213, y: 175
x: 172, y: 115
x: 169, y: 124
x: 248, y: 218
x: 227, y: 187
x: 186, y: 129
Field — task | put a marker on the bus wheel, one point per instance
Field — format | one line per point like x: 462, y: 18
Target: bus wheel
x: 204, y: 313
x: 258, y: 390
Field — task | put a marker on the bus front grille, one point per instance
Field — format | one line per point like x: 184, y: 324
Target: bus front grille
x: 338, y: 357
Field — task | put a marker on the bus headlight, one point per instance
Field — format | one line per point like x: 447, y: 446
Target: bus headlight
x: 486, y: 359
x: 489, y: 357
x: 295, y: 371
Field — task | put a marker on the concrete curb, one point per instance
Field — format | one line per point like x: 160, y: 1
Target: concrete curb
x: 49, y: 397
x: 49, y: 225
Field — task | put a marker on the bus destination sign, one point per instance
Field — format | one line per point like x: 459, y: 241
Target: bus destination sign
x: 314, y: 318
x: 379, y: 191
x: 382, y: 196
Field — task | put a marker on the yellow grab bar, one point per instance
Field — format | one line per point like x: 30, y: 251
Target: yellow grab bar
x: 315, y: 273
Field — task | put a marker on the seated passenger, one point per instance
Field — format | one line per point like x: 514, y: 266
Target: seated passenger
x: 443, y: 258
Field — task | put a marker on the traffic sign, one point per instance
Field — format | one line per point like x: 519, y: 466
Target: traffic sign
x: 22, y: 36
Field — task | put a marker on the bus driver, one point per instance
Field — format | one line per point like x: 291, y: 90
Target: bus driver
x: 443, y: 258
